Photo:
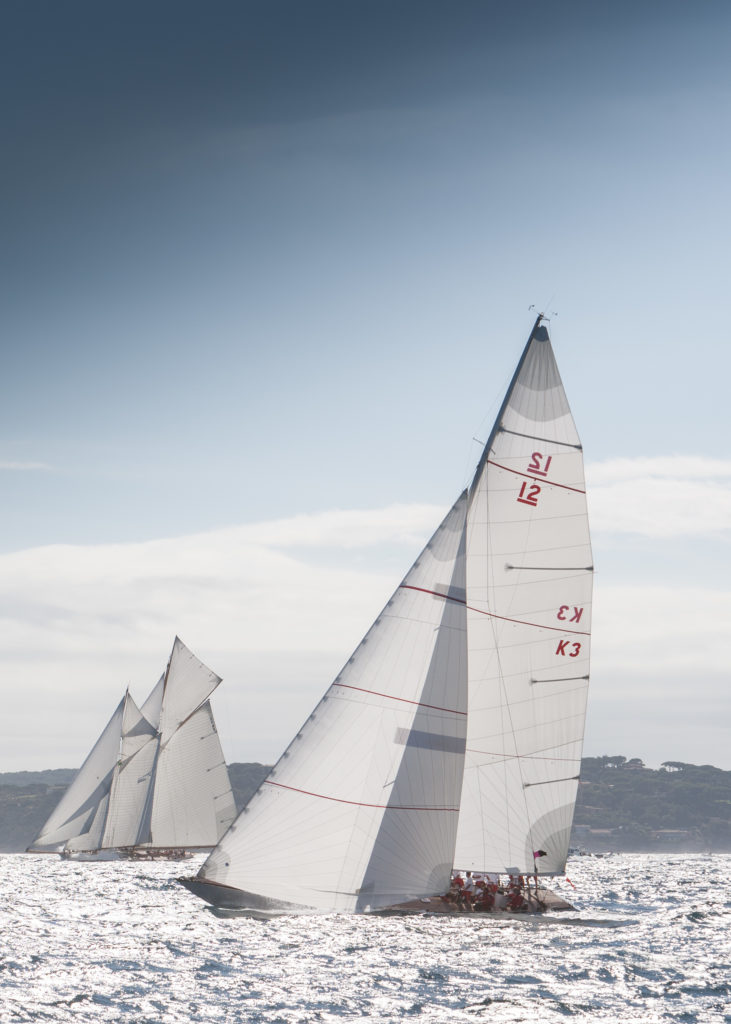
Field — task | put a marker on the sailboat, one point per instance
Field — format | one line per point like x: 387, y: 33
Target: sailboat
x: 451, y: 740
x: 155, y: 783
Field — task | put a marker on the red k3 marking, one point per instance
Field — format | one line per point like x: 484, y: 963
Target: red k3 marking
x: 574, y: 648
x: 576, y: 617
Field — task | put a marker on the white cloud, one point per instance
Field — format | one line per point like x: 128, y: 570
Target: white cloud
x: 276, y: 608
x: 663, y: 497
x: 660, y: 631
x: 23, y: 465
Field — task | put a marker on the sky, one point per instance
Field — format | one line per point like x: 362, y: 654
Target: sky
x: 266, y: 271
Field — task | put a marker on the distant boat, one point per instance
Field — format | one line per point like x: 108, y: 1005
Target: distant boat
x: 452, y: 738
x: 156, y: 782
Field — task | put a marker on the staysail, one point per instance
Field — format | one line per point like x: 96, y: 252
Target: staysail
x: 361, y: 810
x: 529, y: 587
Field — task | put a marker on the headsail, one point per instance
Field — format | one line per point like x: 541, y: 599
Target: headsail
x: 529, y: 586
x: 131, y: 780
x: 81, y: 811
x: 361, y: 810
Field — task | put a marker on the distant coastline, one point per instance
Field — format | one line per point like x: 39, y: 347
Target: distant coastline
x: 622, y: 806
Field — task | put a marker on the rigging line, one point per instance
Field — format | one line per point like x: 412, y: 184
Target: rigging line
x: 359, y: 803
x: 533, y: 437
x: 550, y: 782
x: 403, y: 700
x: 552, y: 568
x: 492, y: 615
x: 561, y: 679
x: 538, y: 479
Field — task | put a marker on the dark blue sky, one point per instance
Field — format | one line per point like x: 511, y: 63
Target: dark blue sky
x: 269, y: 260
x: 238, y: 231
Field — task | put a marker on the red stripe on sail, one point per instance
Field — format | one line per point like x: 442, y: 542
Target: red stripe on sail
x: 538, y: 479
x: 432, y: 707
x: 492, y: 615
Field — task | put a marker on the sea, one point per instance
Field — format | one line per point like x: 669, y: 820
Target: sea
x: 650, y: 940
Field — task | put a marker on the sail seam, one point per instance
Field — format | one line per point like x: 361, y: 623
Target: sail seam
x: 359, y: 803
x: 539, y: 479
x: 403, y: 700
x: 521, y: 757
x: 492, y: 615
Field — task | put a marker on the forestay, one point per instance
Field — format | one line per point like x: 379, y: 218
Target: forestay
x: 529, y: 584
x: 361, y: 810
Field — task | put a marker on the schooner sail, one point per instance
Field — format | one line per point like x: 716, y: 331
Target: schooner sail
x: 452, y: 737
x: 155, y: 780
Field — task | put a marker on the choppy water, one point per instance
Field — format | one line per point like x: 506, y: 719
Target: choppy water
x: 121, y: 942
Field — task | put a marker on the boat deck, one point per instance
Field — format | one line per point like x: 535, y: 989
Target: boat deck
x: 548, y: 902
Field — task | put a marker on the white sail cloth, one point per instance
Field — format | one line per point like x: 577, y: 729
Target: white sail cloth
x: 77, y: 815
x: 187, y: 799
x: 361, y: 810
x: 529, y: 586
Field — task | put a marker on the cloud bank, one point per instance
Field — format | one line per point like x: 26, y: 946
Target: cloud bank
x: 663, y: 497
x: 277, y: 607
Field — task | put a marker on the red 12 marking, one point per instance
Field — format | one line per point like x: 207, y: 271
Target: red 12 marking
x: 529, y: 493
x: 534, y: 466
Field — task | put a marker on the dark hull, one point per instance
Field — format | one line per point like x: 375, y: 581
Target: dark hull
x: 547, y: 902
x: 228, y: 901
x: 228, y: 898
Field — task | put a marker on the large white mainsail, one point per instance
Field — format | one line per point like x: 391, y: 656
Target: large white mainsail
x: 361, y: 810
x: 529, y: 587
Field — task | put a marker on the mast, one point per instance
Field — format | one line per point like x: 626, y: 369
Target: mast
x: 543, y: 336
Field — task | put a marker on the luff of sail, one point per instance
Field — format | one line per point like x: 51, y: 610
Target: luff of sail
x: 361, y: 810
x: 529, y: 585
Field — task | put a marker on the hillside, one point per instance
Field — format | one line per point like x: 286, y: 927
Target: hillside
x: 27, y: 799
x: 622, y: 805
